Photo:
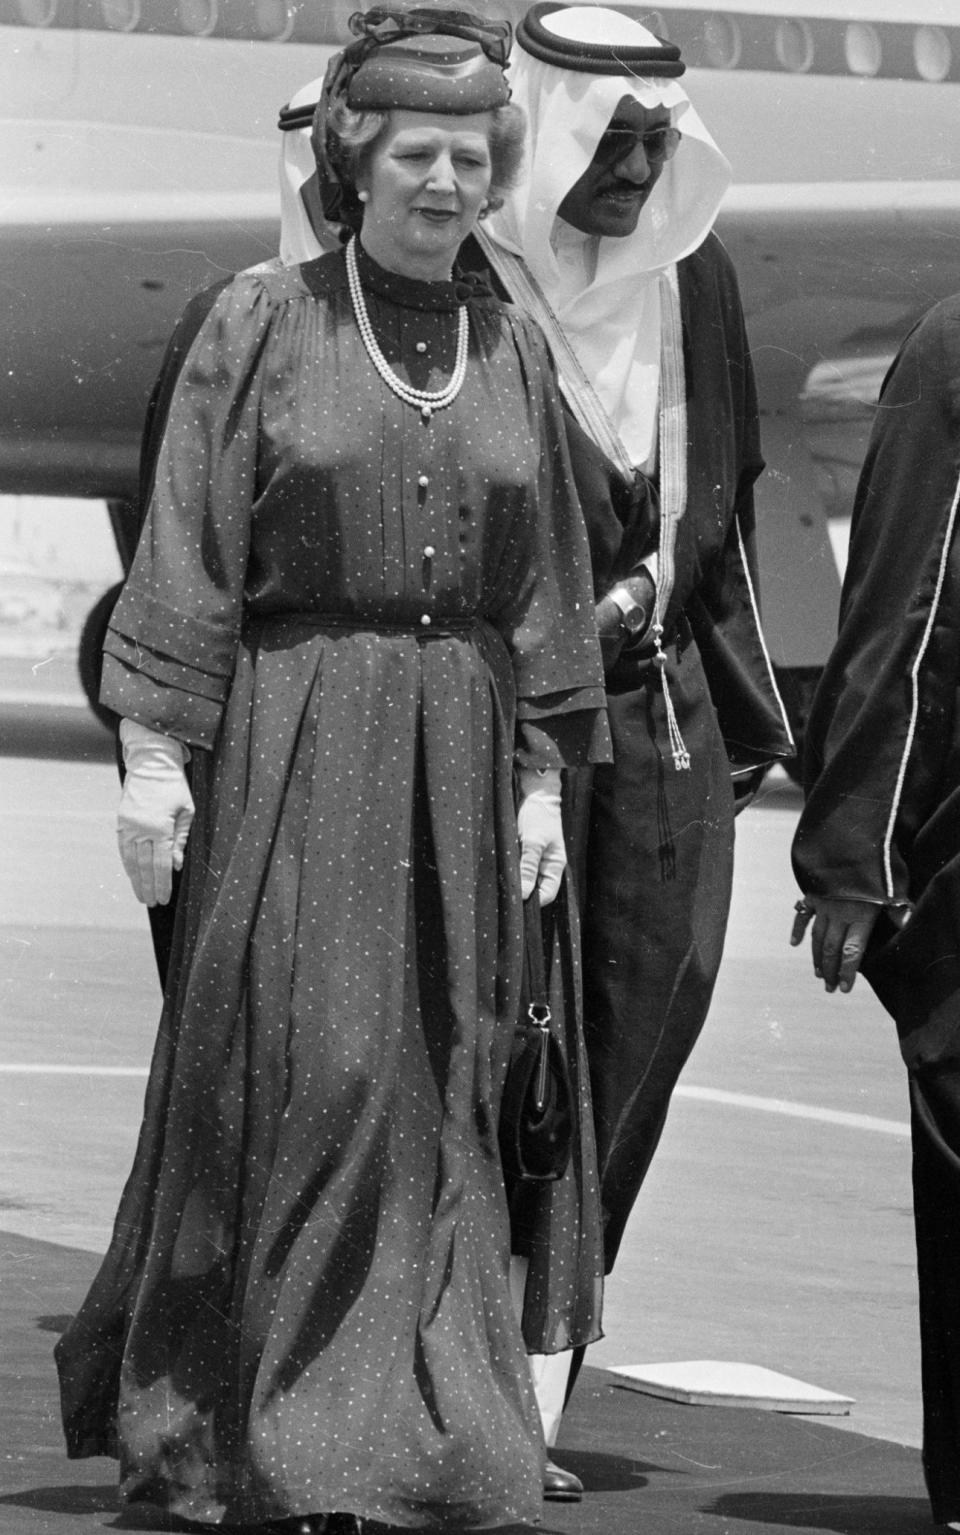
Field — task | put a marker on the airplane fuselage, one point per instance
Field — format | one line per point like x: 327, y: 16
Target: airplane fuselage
x: 140, y: 152
x: 140, y: 164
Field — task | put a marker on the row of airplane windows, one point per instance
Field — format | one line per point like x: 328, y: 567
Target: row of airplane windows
x: 709, y: 39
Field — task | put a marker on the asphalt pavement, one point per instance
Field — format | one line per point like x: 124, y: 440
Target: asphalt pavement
x: 774, y: 1228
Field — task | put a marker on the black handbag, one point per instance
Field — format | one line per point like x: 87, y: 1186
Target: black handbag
x: 536, y: 1111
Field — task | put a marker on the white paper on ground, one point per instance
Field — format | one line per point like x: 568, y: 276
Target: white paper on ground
x: 725, y: 1383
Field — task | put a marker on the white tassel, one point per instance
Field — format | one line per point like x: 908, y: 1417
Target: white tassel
x: 678, y: 749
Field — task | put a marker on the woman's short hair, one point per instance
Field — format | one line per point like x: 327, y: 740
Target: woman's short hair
x: 352, y: 137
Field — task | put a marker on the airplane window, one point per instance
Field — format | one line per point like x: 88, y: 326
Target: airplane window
x: 863, y: 48
x: 932, y: 53
x: 37, y: 13
x: 274, y: 19
x: 795, y: 46
x: 120, y: 15
x: 198, y: 16
x: 723, y: 43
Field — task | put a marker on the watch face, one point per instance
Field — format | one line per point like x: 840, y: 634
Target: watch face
x: 634, y: 618
x: 633, y: 615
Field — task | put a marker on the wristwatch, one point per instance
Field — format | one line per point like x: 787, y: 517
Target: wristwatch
x: 633, y: 615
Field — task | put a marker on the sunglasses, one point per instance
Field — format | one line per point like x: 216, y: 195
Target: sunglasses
x: 659, y: 144
x: 383, y: 25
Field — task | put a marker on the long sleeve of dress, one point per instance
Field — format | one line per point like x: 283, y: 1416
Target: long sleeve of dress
x: 171, y: 648
x: 881, y: 753
x: 158, y: 405
x: 548, y: 618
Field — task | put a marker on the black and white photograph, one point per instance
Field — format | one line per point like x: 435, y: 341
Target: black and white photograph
x: 480, y: 767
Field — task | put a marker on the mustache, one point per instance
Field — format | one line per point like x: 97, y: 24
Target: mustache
x: 626, y: 188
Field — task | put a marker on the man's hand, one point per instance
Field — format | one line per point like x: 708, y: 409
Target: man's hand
x: 841, y: 932
x: 608, y: 619
x: 640, y: 594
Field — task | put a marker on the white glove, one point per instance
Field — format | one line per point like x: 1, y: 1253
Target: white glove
x: 543, y: 856
x: 156, y: 811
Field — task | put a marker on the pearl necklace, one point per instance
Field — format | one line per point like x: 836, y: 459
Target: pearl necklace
x: 425, y: 401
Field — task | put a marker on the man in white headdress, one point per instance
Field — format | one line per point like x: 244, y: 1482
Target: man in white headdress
x: 608, y: 242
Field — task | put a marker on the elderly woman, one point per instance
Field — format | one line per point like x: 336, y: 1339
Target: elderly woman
x: 361, y: 604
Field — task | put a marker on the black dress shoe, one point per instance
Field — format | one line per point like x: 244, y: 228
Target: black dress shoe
x: 561, y: 1486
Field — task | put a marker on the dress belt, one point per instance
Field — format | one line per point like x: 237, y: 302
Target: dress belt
x: 433, y: 628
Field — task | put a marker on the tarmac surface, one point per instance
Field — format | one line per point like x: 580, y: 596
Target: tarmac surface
x: 646, y: 1465
x: 774, y: 1228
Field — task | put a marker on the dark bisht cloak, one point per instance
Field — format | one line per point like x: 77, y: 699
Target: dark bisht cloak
x: 882, y: 768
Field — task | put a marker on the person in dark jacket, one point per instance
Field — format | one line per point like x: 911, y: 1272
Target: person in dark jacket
x: 877, y: 849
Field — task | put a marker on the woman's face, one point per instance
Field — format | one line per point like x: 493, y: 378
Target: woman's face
x: 426, y: 180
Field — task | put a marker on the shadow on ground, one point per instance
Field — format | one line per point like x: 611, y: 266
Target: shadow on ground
x: 850, y: 1515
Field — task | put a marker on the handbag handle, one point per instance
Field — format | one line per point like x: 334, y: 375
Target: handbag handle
x: 538, y: 1007
x: 533, y: 940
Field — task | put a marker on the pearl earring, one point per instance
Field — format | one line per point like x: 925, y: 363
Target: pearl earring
x: 363, y: 197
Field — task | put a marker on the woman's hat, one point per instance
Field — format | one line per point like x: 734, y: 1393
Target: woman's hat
x: 421, y: 60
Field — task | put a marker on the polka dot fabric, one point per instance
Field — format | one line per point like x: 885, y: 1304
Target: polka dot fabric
x: 358, y: 617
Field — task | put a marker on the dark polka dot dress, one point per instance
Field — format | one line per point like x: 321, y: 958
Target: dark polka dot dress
x: 356, y: 616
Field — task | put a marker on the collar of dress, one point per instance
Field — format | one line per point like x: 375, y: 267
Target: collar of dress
x: 413, y: 292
